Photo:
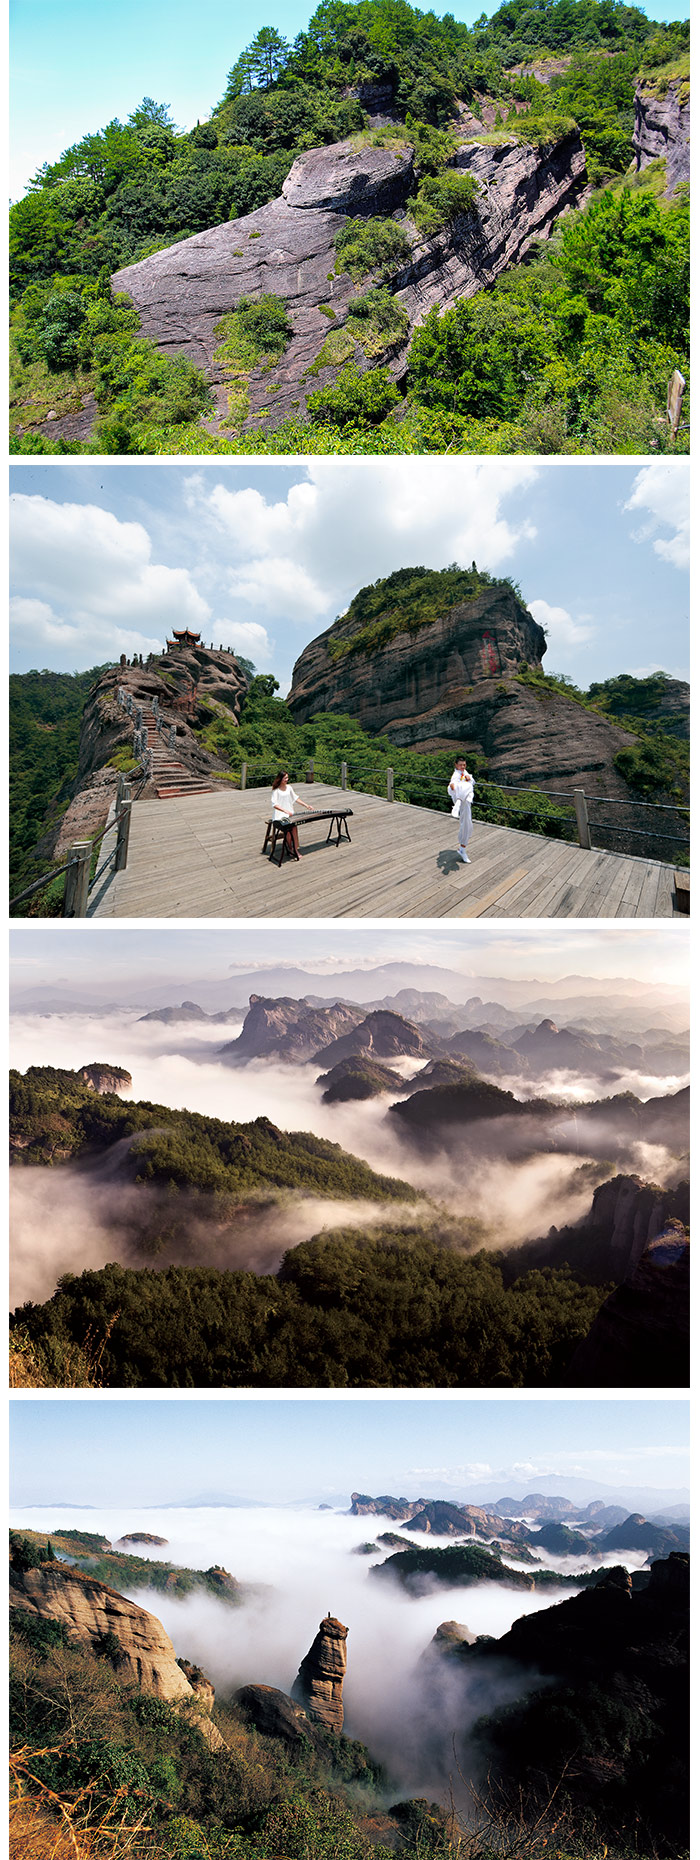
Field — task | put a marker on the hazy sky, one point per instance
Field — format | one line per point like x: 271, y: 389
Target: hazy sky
x: 75, y: 66
x: 262, y: 557
x: 98, y: 961
x: 101, y: 1451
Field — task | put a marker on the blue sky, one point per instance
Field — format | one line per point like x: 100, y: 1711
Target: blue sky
x: 76, y: 65
x: 102, y: 963
x: 262, y: 557
x: 116, y: 1452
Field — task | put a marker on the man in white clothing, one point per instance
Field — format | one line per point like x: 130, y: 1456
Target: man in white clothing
x: 461, y: 792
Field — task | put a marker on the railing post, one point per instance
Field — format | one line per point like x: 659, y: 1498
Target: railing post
x: 122, y: 847
x: 343, y: 775
x: 390, y: 784
x: 244, y: 775
x: 584, y: 831
x: 75, y: 890
x: 310, y: 770
x: 172, y: 738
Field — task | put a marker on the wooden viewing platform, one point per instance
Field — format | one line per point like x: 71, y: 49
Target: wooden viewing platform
x: 200, y: 856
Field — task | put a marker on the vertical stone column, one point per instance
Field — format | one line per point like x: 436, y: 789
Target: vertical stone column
x: 319, y: 1682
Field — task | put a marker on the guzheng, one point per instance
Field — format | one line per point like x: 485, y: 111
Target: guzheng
x: 281, y: 830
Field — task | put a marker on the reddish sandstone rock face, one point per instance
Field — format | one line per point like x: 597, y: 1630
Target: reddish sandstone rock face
x: 319, y: 1682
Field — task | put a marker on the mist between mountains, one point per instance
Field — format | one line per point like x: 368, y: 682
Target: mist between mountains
x: 351, y: 1180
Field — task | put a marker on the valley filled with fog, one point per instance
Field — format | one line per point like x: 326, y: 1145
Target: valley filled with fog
x: 304, y: 1563
x: 508, y: 1179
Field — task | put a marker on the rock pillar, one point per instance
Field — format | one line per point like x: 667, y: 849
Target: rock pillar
x: 319, y: 1682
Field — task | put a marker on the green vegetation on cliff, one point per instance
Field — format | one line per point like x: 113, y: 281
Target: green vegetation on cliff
x: 569, y: 373
x: 121, y: 1570
x: 407, y: 600
x: 45, y: 715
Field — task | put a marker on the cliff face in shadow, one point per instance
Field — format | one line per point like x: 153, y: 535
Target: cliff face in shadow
x: 287, y: 249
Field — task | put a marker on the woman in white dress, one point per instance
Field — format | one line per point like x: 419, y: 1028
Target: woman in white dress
x: 284, y: 801
x: 461, y: 792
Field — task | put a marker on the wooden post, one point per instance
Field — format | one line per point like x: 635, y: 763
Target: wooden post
x: 584, y: 831
x: 244, y: 775
x: 390, y: 784
x: 310, y: 770
x: 674, y: 401
x: 343, y: 775
x: 75, y: 890
x: 122, y: 846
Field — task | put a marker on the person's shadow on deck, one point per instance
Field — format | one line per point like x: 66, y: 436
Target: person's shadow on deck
x: 449, y: 861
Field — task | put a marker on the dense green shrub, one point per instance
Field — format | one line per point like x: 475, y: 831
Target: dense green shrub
x: 354, y: 399
x: 371, y: 245
x: 443, y: 198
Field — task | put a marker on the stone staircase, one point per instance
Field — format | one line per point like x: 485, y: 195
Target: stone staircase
x: 172, y: 777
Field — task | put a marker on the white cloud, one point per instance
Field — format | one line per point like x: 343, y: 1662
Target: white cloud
x: 89, y: 582
x: 244, y: 636
x: 662, y: 490
x: 352, y: 521
x: 560, y: 626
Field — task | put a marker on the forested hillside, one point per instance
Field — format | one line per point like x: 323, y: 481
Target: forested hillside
x: 598, y: 318
x: 45, y: 715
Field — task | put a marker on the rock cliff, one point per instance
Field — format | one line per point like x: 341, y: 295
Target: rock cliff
x: 382, y: 1035
x: 139, y: 1647
x: 662, y: 128
x: 190, y: 684
x: 288, y: 1030
x: 451, y: 683
x: 287, y: 249
x: 319, y: 1682
x: 107, y: 1079
x: 641, y: 1335
x: 417, y: 679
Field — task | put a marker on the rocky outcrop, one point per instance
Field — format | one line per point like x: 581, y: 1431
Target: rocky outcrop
x: 288, y: 1030
x: 105, y: 1080
x: 662, y: 127
x: 201, y: 1686
x: 95, y: 1616
x: 452, y: 684
x: 421, y: 676
x: 275, y: 1714
x: 638, y: 1533
x: 383, y: 1036
x: 287, y: 248
x: 141, y: 1537
x: 641, y: 1335
x: 319, y: 1682
x: 357, y: 1078
x: 180, y: 681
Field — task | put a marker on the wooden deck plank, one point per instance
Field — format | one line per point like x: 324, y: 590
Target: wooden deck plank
x: 201, y: 856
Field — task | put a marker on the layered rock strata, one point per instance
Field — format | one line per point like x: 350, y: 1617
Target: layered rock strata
x: 287, y: 248
x: 319, y: 1682
x: 90, y: 1612
x: 417, y: 683
x: 662, y: 130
